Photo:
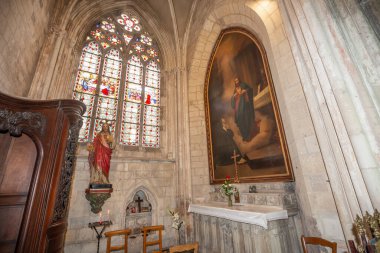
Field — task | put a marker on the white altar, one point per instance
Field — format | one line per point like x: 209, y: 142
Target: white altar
x: 264, y: 223
x: 251, y: 214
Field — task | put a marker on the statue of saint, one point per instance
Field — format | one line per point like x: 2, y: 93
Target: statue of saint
x: 100, y: 151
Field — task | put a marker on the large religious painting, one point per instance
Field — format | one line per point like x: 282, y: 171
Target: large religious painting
x: 244, y: 129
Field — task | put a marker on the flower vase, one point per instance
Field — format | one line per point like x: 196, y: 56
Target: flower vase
x: 229, y: 200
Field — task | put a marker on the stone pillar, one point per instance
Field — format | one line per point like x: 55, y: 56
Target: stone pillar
x: 335, y: 54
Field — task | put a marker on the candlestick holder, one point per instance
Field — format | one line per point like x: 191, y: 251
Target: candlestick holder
x: 99, y: 234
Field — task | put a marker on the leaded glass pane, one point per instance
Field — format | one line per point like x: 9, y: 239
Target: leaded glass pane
x: 127, y: 38
x: 114, y: 40
x: 97, y: 34
x: 85, y: 130
x: 152, y: 52
x: 129, y: 24
x: 146, y: 39
x: 86, y: 82
x: 152, y: 78
x: 134, y: 70
x: 107, y: 108
x: 92, y: 48
x: 105, y: 45
x: 133, y: 92
x: 89, y: 62
x: 105, y: 25
x: 131, y: 112
x: 88, y: 100
x: 109, y: 87
x: 152, y: 96
x: 152, y: 115
x: 129, y: 134
x: 151, y: 137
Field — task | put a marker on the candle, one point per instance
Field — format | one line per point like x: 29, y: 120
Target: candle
x: 100, y: 217
x: 108, y: 214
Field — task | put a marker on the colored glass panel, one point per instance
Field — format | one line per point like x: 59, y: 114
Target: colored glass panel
x: 114, y: 40
x: 111, y: 75
x: 152, y: 52
x: 146, y: 39
x: 151, y: 137
x: 151, y: 115
x: 106, y: 109
x: 129, y: 134
x: 133, y: 92
x: 89, y: 62
x: 134, y: 70
x: 127, y: 38
x: 138, y: 47
x: 105, y: 45
x: 86, y: 82
x: 105, y: 25
x: 152, y: 77
x: 129, y: 24
x: 131, y: 113
x: 97, y: 34
x: 92, y: 48
x: 152, y: 96
x: 84, y: 132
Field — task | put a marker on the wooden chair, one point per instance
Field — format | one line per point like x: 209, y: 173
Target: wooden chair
x: 185, y: 248
x: 125, y: 233
x: 318, y: 241
x: 146, y: 231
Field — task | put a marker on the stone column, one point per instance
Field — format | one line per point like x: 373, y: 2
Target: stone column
x: 335, y: 54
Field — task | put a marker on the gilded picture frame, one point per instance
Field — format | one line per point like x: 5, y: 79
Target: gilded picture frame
x: 245, y: 134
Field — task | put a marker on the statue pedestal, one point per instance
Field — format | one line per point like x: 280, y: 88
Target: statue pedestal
x: 97, y: 196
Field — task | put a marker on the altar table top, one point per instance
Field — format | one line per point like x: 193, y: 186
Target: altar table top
x: 245, y: 213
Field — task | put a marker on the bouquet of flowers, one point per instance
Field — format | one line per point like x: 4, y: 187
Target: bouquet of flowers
x: 227, y: 188
x: 177, y: 222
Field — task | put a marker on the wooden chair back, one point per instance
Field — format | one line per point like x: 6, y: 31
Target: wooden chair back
x: 110, y: 234
x: 318, y: 241
x: 184, y: 248
x: 146, y: 230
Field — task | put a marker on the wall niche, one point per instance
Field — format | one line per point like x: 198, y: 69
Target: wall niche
x: 138, y: 213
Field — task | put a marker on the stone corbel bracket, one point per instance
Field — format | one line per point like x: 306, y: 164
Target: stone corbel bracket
x: 97, y: 198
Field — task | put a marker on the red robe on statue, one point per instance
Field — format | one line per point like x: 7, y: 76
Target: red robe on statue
x: 102, y: 154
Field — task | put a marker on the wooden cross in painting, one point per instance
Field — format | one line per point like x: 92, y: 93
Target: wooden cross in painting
x: 236, y: 178
x: 139, y: 200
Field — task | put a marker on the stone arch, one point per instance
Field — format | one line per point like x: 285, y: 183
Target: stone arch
x: 265, y: 22
x: 151, y: 197
x: 57, y: 66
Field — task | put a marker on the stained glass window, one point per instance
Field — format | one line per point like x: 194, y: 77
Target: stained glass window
x: 113, y: 83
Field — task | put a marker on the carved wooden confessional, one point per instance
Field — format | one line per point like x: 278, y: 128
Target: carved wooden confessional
x: 37, y: 155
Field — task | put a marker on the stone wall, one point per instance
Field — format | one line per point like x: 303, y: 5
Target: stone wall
x: 23, y: 29
x: 156, y: 178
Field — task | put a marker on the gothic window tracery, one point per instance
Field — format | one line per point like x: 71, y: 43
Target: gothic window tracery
x: 118, y: 79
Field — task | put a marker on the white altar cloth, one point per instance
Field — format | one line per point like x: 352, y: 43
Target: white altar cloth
x: 245, y: 213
